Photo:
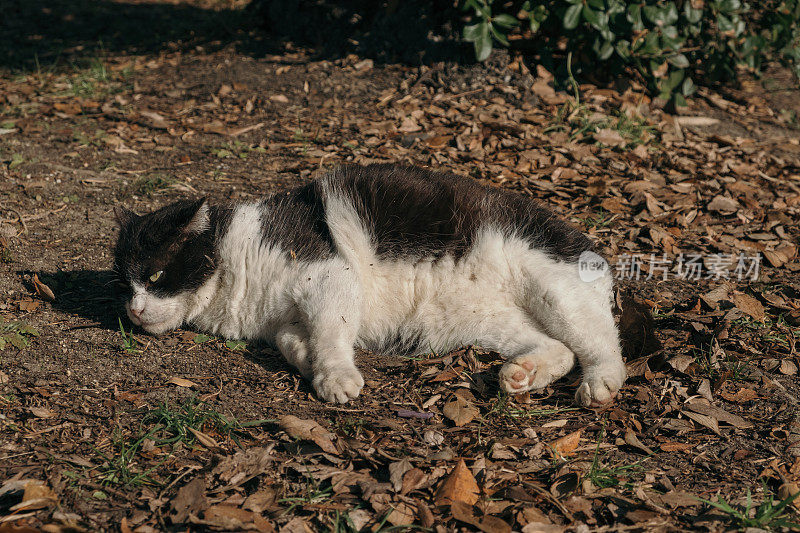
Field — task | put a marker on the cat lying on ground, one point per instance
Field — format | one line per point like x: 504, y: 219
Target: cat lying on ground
x: 382, y: 257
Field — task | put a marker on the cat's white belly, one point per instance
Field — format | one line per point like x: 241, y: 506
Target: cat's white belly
x: 445, y: 303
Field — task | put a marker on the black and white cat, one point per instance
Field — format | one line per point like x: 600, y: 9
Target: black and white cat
x: 382, y: 257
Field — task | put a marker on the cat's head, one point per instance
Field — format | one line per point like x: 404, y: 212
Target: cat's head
x: 164, y: 258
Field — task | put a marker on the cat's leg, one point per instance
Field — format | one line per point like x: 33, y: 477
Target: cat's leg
x: 578, y: 313
x: 331, y: 308
x: 543, y: 364
x: 292, y: 342
x: 534, y: 360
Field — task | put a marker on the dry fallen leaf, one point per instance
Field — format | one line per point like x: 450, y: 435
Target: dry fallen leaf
x: 204, y: 439
x: 181, y: 382
x: 565, y: 445
x: 489, y: 524
x: 459, y: 486
x: 231, y: 518
x: 609, y: 137
x: 547, y: 93
x: 413, y: 480
x: 191, y: 499
x: 402, y: 514
x: 154, y: 119
x: 741, y: 396
x: 34, y: 494
x: 724, y: 205
x: 244, y: 129
x: 787, y: 367
x: 789, y: 489
x: 308, y: 430
x: 704, y: 420
x: 460, y: 411
x: 42, y: 412
x: 245, y: 464
x: 396, y: 472
x: 749, y: 306
x: 696, y: 121
x: 43, y: 291
x: 632, y: 440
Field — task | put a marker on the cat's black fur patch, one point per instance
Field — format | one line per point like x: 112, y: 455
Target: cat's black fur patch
x: 160, y: 241
x: 296, y: 221
x: 410, y: 212
x: 416, y: 212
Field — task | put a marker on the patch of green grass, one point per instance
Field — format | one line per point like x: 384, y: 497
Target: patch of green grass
x: 780, y: 333
x: 770, y: 514
x: 236, y: 345
x: 129, y: 342
x: 790, y: 118
x: 83, y: 139
x: 580, y: 122
x: 730, y: 366
x: 121, y: 467
x: 236, y: 149
x: 16, y: 333
x: 503, y: 406
x: 603, y: 475
x: 172, y: 423
x: 351, y: 426
x: 598, y: 220
x: 200, y: 338
x: 16, y: 160
x: 312, y: 496
x: 6, y: 256
x: 299, y: 136
x: 167, y: 425
x: 90, y: 79
x: 149, y: 185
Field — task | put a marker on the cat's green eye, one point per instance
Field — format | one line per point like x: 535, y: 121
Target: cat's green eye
x: 155, y: 276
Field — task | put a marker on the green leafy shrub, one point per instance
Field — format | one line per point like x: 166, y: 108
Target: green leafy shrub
x: 668, y: 42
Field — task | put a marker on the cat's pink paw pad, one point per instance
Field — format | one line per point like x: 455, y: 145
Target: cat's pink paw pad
x: 340, y: 385
x: 519, y: 375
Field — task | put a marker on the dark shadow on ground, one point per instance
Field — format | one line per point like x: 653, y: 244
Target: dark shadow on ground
x: 37, y: 34
x: 95, y: 295
x: 41, y: 33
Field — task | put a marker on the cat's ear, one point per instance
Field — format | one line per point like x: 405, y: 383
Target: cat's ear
x: 200, y: 220
x: 124, y: 216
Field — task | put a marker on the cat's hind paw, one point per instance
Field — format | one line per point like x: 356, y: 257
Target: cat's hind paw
x: 525, y: 373
x: 339, y: 385
x: 597, y: 390
x: 517, y: 375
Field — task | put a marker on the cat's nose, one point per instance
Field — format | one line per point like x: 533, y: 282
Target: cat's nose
x: 136, y: 311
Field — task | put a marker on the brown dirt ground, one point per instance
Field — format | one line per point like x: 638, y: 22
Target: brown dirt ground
x: 93, y: 436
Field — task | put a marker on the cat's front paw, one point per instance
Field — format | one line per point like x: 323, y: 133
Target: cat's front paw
x: 600, y: 387
x: 338, y: 385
